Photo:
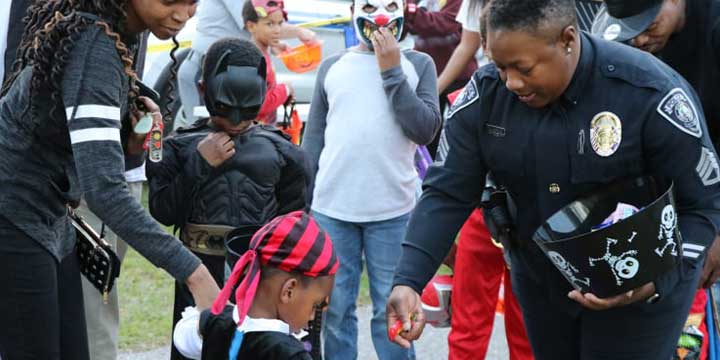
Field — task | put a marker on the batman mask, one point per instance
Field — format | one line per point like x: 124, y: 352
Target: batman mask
x: 235, y: 92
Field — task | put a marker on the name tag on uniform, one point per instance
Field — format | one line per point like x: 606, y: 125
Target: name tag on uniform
x: 495, y: 130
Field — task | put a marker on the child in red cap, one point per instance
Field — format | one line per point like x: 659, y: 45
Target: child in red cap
x: 263, y: 19
x: 287, y: 273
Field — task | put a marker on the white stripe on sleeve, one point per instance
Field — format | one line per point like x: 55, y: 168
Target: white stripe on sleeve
x: 692, y: 255
x: 94, y: 111
x: 94, y: 134
x: 694, y: 247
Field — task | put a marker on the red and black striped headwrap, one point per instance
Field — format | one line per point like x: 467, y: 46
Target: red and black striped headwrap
x: 293, y: 243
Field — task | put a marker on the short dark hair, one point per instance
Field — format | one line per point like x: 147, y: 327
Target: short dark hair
x: 530, y: 15
x: 249, y: 13
x: 242, y: 53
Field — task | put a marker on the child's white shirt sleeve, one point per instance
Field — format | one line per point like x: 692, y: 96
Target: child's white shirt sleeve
x: 186, y: 336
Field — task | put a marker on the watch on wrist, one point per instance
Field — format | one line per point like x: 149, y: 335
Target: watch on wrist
x: 654, y: 298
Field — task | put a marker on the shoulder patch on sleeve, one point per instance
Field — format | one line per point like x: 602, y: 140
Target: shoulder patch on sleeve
x: 467, y: 96
x: 680, y: 111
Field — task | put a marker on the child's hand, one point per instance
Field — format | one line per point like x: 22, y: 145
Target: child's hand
x: 386, y: 48
x: 279, y: 48
x: 307, y: 36
x: 216, y: 148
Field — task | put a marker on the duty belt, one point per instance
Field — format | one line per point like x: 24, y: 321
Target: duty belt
x: 205, y: 239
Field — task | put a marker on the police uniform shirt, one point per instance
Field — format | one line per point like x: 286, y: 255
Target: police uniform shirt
x: 694, y: 52
x: 548, y: 157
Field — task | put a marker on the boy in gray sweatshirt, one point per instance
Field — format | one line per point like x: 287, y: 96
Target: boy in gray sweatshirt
x: 373, y: 105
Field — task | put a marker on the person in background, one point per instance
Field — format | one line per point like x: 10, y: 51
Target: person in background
x: 373, y: 105
x: 685, y: 35
x: 219, y: 19
x: 264, y: 20
x: 437, y: 33
x: 469, y: 16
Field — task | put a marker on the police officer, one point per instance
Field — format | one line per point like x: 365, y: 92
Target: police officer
x: 529, y: 120
x: 685, y: 35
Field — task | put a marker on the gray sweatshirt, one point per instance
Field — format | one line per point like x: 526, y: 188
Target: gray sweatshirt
x: 47, y: 162
x: 363, y: 131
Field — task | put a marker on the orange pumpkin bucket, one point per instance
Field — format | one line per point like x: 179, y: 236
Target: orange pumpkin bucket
x: 302, y: 58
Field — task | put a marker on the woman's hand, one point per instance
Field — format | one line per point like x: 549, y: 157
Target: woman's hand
x: 136, y: 142
x: 203, y: 287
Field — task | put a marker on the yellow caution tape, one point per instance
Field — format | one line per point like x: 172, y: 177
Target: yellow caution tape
x: 319, y: 23
x: 163, y: 47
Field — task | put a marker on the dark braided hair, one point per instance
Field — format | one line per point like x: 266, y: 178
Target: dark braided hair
x: 530, y: 15
x: 52, y: 28
x: 168, y: 112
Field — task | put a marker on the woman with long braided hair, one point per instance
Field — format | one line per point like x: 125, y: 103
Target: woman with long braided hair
x: 66, y: 117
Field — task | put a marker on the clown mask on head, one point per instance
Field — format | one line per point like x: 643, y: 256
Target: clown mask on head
x: 370, y: 15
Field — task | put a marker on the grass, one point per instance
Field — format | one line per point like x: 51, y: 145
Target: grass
x: 146, y: 301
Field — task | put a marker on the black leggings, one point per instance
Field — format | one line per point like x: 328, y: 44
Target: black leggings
x: 41, y: 303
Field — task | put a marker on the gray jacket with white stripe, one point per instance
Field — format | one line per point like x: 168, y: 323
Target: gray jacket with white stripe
x: 47, y: 162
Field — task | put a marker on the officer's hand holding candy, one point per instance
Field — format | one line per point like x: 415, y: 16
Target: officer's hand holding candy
x: 593, y: 302
x: 404, y: 306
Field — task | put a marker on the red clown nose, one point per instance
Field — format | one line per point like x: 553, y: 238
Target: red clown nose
x: 382, y: 20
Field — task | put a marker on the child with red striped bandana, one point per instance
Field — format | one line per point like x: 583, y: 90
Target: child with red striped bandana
x: 287, y: 273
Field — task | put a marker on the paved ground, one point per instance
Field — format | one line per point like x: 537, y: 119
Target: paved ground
x: 431, y: 346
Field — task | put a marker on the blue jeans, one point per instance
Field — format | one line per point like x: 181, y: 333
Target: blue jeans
x: 380, y: 242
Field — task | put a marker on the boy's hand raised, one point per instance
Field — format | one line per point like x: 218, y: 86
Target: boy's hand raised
x: 386, y: 48
x: 216, y: 148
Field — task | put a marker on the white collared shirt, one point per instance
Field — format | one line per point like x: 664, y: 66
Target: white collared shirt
x: 187, y: 338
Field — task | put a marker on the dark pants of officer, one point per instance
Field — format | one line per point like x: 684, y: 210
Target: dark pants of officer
x: 558, y: 330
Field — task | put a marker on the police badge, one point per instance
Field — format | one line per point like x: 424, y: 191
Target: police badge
x: 605, y: 133
x: 677, y: 108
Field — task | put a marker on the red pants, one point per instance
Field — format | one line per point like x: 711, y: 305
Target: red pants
x: 479, y: 270
x: 697, y: 317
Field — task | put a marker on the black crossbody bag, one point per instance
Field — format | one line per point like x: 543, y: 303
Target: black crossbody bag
x: 98, y: 262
